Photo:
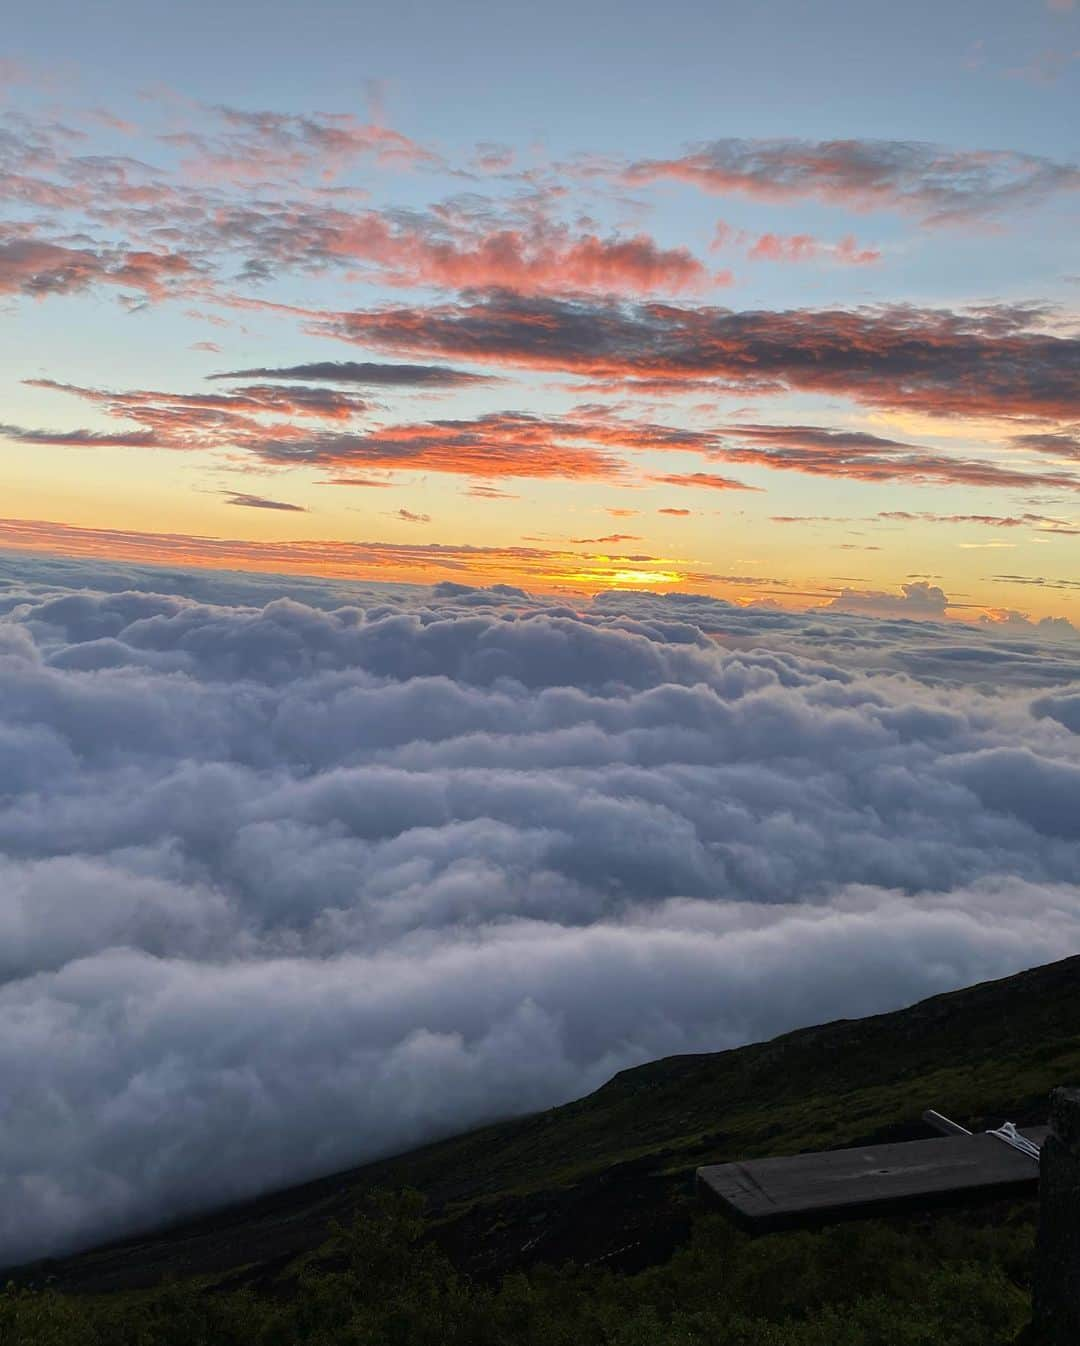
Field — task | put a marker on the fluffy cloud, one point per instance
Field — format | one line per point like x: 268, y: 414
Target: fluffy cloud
x: 296, y: 873
x: 919, y: 599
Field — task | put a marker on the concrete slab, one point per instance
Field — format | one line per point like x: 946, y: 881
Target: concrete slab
x: 805, y: 1189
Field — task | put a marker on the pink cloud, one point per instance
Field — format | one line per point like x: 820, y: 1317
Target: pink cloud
x: 939, y: 185
x: 807, y: 248
x: 39, y: 267
x: 243, y: 146
x: 455, y: 252
x: 773, y: 247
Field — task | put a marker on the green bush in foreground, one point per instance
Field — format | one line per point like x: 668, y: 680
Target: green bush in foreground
x: 937, y: 1282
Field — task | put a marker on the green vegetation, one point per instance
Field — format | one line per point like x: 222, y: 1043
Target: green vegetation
x: 379, y: 1283
x: 579, y: 1225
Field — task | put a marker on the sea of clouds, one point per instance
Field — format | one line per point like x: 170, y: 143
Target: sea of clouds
x: 295, y: 874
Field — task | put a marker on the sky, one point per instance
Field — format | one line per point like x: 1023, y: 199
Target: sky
x: 775, y: 303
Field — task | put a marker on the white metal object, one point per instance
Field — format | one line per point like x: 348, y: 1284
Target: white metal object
x: 1009, y: 1134
x: 1006, y: 1132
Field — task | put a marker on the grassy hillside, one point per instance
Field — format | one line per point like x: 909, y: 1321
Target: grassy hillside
x: 602, y: 1188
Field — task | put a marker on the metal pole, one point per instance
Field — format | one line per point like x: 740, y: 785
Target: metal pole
x: 945, y: 1125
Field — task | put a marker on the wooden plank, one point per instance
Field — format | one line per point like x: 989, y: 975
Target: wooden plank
x: 781, y: 1193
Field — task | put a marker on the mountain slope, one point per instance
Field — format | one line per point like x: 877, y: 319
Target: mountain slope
x: 607, y: 1179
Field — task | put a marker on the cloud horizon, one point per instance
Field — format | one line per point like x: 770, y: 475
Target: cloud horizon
x: 295, y: 881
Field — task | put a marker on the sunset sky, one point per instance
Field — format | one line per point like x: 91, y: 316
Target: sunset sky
x: 756, y: 301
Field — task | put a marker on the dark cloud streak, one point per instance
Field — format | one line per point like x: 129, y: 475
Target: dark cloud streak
x: 985, y: 362
x: 366, y: 373
x: 939, y: 185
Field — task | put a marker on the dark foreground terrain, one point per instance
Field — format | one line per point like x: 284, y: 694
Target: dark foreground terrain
x: 580, y: 1224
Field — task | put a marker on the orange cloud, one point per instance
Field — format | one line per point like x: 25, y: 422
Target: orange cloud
x: 500, y: 444
x: 710, y: 480
x: 590, y: 445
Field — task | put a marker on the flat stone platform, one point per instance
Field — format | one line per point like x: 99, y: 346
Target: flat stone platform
x: 806, y: 1189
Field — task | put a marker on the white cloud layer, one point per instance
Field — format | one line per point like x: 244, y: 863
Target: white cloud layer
x: 296, y: 874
